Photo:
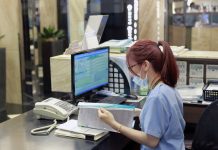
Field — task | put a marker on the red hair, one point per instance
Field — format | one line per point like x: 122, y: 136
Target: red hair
x: 163, y: 62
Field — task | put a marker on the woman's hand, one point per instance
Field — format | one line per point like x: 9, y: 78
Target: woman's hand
x: 106, y: 116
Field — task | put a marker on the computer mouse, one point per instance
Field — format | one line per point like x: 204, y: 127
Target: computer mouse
x: 130, y: 96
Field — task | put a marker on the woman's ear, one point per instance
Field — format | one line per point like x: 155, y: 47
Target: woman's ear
x: 146, y: 65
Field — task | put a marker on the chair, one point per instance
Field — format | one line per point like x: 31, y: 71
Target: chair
x: 206, y: 134
x: 118, y: 81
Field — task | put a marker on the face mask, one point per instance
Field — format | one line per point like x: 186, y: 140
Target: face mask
x: 140, y: 82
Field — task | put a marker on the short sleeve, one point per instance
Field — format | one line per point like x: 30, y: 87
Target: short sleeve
x: 154, y: 117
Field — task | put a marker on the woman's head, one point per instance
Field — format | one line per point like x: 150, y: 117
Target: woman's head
x: 148, y: 54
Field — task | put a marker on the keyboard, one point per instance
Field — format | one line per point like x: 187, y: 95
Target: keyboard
x: 113, y: 100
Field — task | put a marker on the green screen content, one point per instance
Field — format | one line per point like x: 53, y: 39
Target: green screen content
x: 90, y: 70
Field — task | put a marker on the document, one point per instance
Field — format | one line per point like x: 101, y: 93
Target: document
x: 212, y: 87
x: 88, y: 115
x: 190, y: 93
x: 117, y: 46
x: 71, y: 129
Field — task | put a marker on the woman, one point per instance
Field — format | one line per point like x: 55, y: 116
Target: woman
x: 161, y: 117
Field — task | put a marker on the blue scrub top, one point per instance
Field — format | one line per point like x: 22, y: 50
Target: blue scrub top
x: 162, y: 117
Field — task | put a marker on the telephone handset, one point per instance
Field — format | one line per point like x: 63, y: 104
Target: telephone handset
x: 53, y: 108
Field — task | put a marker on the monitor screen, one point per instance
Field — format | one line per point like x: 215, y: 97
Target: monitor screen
x: 89, y: 70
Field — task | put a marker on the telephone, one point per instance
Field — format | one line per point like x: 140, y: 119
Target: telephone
x: 53, y: 108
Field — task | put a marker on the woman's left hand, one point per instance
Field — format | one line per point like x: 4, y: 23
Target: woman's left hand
x: 106, y: 116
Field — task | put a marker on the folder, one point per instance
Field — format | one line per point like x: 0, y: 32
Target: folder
x: 88, y: 115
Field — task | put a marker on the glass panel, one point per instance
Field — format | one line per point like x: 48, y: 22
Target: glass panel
x: 194, y: 24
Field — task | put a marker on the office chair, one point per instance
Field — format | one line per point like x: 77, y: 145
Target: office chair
x: 118, y: 81
x: 206, y: 134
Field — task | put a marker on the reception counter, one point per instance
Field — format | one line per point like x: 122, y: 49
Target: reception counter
x: 195, y: 38
x: 61, y: 68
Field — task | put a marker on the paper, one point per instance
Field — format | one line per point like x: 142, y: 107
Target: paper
x: 196, y: 70
x: 178, y: 50
x: 182, y: 65
x: 117, y: 46
x: 72, y: 126
x: 211, y: 71
x: 94, y: 29
x: 90, y: 41
x: 117, y: 43
x: 71, y: 129
x: 88, y: 115
x: 212, y: 87
x: 190, y: 93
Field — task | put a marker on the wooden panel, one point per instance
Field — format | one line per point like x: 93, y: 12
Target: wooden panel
x: 162, y: 18
x: 61, y: 73
x: 193, y: 113
x: 199, y: 54
x: 11, y: 27
x: 214, y: 39
x: 177, y: 35
x: 147, y: 19
x: 48, y: 13
x: 76, y: 12
x: 201, y: 38
x: 148, y: 24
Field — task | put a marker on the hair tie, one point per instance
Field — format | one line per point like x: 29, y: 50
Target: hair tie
x: 160, y: 46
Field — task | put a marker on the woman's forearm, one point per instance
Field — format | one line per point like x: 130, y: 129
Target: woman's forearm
x: 136, y: 135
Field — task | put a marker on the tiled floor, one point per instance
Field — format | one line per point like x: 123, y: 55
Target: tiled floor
x: 34, y: 93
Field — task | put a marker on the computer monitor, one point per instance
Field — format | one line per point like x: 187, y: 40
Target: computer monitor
x: 89, y: 71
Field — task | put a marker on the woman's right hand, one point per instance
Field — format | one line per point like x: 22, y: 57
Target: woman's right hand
x: 106, y: 116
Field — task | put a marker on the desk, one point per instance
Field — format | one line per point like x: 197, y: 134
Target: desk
x: 193, y: 111
x: 15, y: 134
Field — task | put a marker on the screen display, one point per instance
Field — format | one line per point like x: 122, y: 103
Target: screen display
x: 90, y: 70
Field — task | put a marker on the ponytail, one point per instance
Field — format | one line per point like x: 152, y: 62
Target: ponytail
x: 169, y: 72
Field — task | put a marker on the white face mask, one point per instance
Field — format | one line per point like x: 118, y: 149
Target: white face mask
x: 139, y: 81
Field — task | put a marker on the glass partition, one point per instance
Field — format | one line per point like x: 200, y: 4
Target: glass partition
x: 193, y: 23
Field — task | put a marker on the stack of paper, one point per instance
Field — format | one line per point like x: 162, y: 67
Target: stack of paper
x: 71, y: 129
x: 117, y: 46
x: 212, y: 87
x: 88, y: 115
x: 177, y: 50
x: 190, y: 93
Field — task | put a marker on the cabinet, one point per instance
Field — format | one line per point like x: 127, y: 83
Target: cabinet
x: 196, y: 67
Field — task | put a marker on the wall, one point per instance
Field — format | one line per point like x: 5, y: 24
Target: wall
x: 48, y: 13
x: 11, y: 27
x: 151, y: 19
x: 76, y: 12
